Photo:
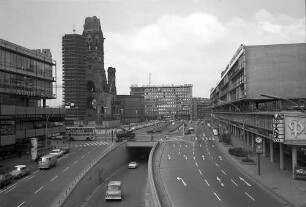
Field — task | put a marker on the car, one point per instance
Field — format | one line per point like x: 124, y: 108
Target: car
x: 65, y: 149
x: 57, y: 152
x: 113, y: 191
x: 5, y: 179
x: 132, y: 165
x: 20, y: 171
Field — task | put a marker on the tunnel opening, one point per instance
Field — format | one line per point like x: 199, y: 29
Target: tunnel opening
x: 139, y: 154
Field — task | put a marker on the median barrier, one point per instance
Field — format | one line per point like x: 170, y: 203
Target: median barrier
x: 93, y: 175
x: 152, y: 199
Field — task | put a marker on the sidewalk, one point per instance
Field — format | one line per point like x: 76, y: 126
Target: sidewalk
x: 279, y: 182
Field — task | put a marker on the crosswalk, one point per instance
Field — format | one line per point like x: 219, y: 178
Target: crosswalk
x: 88, y: 144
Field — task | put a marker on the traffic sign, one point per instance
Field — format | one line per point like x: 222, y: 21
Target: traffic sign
x: 258, y: 148
x: 278, y: 140
x: 258, y: 140
x: 275, y: 132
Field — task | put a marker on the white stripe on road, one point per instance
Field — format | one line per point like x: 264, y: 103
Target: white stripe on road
x: 242, y: 179
x: 39, y: 189
x: 234, y: 182
x: 207, y: 182
x: 217, y: 196
x: 223, y: 172
x: 249, y: 196
x: 74, y: 162
x: 82, y: 156
x: 66, y: 169
x: 29, y: 178
x: 21, y: 204
x: 53, y: 178
x: 200, y: 172
x: 216, y: 164
x: 10, y: 189
x: 197, y: 164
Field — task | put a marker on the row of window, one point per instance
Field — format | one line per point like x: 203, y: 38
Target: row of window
x: 8, y: 80
x: 13, y: 60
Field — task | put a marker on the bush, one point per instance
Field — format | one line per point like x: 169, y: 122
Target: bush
x: 247, y: 160
x: 237, y: 151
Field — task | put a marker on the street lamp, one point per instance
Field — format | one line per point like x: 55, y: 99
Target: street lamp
x: 105, y: 110
x: 121, y: 115
x: 281, y: 98
x: 47, y: 129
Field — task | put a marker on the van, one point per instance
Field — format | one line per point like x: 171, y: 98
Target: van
x: 47, y: 161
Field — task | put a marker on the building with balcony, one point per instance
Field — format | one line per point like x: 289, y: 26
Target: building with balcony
x: 238, y: 107
x: 27, y: 79
x: 165, y: 101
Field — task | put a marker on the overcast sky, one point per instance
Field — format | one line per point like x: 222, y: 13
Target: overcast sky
x: 176, y: 41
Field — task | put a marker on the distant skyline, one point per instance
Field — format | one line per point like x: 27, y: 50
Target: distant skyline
x: 176, y: 41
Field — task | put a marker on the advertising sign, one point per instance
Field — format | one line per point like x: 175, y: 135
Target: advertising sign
x: 295, y: 130
x: 300, y: 172
x: 278, y: 128
x: 34, y: 148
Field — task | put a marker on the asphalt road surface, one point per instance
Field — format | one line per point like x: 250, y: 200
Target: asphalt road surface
x: 133, y: 183
x: 41, y: 187
x: 195, y: 173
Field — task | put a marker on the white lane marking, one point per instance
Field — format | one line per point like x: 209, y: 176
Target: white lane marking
x: 207, y: 182
x: 200, y: 145
x: 39, y: 189
x: 179, y: 152
x: 185, y: 157
x: 82, y: 156
x: 223, y: 172
x: 216, y: 164
x: 217, y: 196
x: 234, y: 182
x: 29, y: 178
x: 74, y: 162
x: 213, y: 145
x: 53, y: 178
x: 178, y: 178
x: 197, y: 164
x: 242, y: 179
x: 211, y: 157
x: 186, y: 145
x: 249, y: 196
x: 66, y: 169
x: 208, y: 152
x: 169, y: 157
x: 21, y: 204
x: 194, y: 157
x: 88, y: 152
x: 220, y: 158
x: 10, y: 189
x: 203, y: 157
x: 200, y: 172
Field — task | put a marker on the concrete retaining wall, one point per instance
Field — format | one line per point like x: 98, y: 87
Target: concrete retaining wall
x: 152, y: 199
x: 97, y: 173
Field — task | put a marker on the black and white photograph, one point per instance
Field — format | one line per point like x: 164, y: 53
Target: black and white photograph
x: 152, y: 103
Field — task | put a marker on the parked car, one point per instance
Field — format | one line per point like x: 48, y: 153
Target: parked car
x: 57, y: 152
x: 20, y: 171
x: 65, y: 149
x: 5, y: 179
x: 132, y: 165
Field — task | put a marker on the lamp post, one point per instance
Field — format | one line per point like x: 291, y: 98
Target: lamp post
x: 47, y: 129
x: 281, y: 98
x: 136, y: 116
x: 105, y: 110
x: 121, y: 115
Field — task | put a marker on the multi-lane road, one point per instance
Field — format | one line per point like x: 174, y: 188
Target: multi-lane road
x: 42, y: 187
x: 195, y: 173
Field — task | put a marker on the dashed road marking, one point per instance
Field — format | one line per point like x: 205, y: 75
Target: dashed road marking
x: 53, y: 178
x: 66, y: 169
x: 234, y: 182
x: 39, y: 189
x: 21, y: 204
x: 223, y: 172
x: 217, y: 196
x: 207, y: 182
x: 249, y: 196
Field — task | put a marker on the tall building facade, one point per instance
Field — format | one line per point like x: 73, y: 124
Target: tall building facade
x: 200, y: 108
x: 165, y: 101
x: 26, y: 82
x: 262, y: 93
x: 131, y: 108
x: 87, y: 92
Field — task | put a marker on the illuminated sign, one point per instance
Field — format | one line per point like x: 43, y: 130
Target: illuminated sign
x: 295, y: 130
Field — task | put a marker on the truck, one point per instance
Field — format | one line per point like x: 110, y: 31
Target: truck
x: 125, y: 134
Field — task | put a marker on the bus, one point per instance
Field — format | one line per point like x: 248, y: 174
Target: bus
x: 81, y: 133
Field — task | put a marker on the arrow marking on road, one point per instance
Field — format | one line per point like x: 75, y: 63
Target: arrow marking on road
x: 178, y: 178
x: 220, y: 158
x: 244, y: 181
x: 203, y: 157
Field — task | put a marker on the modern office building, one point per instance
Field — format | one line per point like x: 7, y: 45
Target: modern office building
x: 131, y: 108
x: 165, y: 101
x: 200, y: 108
x: 27, y: 80
x: 88, y: 94
x: 278, y: 115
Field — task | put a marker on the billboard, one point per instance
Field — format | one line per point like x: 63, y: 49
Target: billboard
x: 34, y: 148
x: 295, y: 130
